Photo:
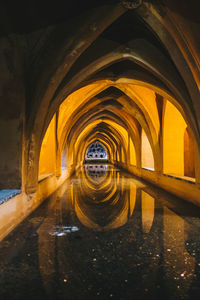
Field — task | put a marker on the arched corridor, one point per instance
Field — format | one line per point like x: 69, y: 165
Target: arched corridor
x: 106, y: 94
x: 142, y: 131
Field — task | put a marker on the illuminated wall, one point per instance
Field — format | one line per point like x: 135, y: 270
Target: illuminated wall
x: 47, y: 162
x: 147, y: 154
x: 173, y: 141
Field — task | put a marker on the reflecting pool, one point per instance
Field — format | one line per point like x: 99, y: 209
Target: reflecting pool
x: 104, y: 235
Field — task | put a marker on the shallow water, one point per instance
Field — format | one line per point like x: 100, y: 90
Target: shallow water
x: 104, y: 235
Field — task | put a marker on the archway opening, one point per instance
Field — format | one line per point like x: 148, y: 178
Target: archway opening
x: 96, y: 152
x: 178, y: 144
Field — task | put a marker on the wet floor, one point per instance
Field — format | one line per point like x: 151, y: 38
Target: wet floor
x: 104, y: 235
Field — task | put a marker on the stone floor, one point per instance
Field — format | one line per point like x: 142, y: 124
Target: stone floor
x: 104, y: 235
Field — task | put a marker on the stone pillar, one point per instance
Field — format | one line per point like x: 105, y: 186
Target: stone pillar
x: 30, y: 165
x: 12, y: 99
x: 58, y: 154
x: 128, y: 151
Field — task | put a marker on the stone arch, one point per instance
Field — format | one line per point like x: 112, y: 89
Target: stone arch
x: 55, y: 95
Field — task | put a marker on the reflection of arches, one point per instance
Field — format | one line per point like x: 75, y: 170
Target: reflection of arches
x: 96, y: 172
x: 189, y: 154
x: 115, y: 203
x: 148, y: 211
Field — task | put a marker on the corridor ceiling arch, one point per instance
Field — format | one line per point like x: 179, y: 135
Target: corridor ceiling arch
x: 77, y: 64
x: 138, y: 103
x: 100, y: 126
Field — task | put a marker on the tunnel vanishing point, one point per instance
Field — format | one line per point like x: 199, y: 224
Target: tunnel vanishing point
x: 123, y: 74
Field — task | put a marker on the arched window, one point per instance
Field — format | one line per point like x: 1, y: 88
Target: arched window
x: 96, y: 151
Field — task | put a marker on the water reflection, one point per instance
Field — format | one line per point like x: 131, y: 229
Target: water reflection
x: 101, y: 237
x: 104, y: 203
x: 96, y: 171
x: 148, y: 203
